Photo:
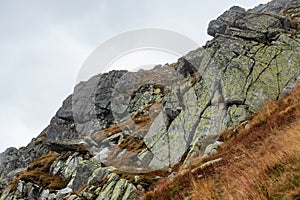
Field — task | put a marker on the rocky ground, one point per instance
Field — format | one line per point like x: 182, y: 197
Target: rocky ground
x: 120, y: 132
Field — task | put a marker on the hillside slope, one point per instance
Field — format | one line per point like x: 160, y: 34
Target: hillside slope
x: 259, y: 159
x: 121, y: 132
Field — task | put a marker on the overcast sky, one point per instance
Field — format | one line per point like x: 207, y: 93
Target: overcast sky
x: 44, y: 43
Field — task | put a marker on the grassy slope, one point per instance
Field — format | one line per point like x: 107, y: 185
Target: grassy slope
x: 260, y: 160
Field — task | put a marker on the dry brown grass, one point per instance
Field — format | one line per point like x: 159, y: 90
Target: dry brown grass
x: 267, y: 170
x: 133, y: 144
x: 133, y: 124
x: 38, y: 173
x: 260, y: 160
x: 178, y: 187
x: 40, y: 139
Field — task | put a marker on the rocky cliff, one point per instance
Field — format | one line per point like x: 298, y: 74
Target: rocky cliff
x: 120, y: 132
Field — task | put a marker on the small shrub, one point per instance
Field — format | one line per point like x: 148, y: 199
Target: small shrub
x: 175, y: 190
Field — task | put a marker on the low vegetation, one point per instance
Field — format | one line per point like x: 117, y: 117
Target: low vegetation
x: 38, y: 173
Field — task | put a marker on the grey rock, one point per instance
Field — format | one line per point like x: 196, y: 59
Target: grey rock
x: 172, y: 175
x: 65, y: 191
x: 225, y: 20
x: 62, y: 123
x: 44, y: 195
x: 86, y: 110
x: 65, y: 112
x: 119, y: 189
x: 71, y: 165
x: 140, y: 86
x: 83, y: 172
x: 52, y: 196
x: 136, y: 178
x: 130, y: 193
x: 145, y: 156
x: 6, y: 194
x: 107, y: 191
x: 212, y: 148
x: 65, y: 168
x: 249, y: 25
x: 157, y: 66
x: 31, y: 191
x: 275, y: 7
x: 211, y: 162
x: 99, y: 175
x: 185, y: 68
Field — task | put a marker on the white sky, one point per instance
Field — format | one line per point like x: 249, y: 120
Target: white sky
x: 44, y: 43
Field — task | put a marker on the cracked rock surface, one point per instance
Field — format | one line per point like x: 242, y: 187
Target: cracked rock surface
x: 120, y: 124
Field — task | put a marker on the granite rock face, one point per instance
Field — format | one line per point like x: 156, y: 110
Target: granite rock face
x: 87, y: 110
x: 119, y: 125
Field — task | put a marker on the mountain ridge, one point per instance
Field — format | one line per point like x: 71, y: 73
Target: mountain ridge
x: 140, y: 122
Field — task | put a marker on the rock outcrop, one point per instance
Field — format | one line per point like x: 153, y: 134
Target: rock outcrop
x: 121, y: 131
